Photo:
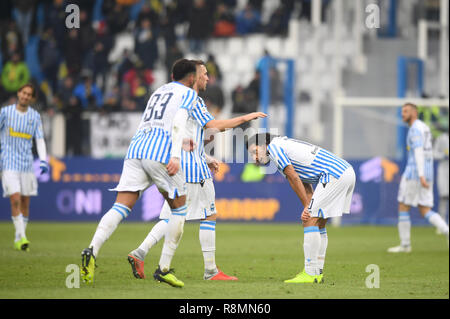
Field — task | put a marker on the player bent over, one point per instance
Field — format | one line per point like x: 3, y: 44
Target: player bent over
x: 153, y: 157
x: 303, y: 163
x: 200, y: 187
x: 19, y: 124
x: 416, y: 185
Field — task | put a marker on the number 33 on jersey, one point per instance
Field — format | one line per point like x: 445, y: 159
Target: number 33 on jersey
x: 152, y: 139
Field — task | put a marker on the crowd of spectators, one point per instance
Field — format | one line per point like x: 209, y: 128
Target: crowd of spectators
x: 76, y: 72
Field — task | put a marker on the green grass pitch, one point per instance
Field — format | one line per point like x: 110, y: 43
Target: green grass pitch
x: 260, y: 255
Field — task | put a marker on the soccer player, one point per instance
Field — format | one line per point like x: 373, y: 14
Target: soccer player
x: 416, y: 185
x: 19, y: 124
x: 200, y: 188
x: 153, y: 157
x: 304, y: 164
x: 440, y: 153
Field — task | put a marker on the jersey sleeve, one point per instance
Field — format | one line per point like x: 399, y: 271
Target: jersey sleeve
x: 2, y: 119
x: 200, y: 113
x: 278, y: 155
x: 38, y: 132
x: 189, y: 100
x: 415, y: 138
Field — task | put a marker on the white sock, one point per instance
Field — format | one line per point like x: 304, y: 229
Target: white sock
x: 25, y: 223
x: 404, y: 228
x: 154, y: 236
x: 323, y: 248
x: 207, y: 236
x: 173, y: 236
x: 443, y: 204
x: 108, y: 225
x: 311, y: 245
x: 436, y: 220
x: 18, y: 225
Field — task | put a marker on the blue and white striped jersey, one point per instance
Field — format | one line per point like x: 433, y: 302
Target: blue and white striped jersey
x: 419, y: 135
x: 312, y: 163
x: 194, y: 163
x: 153, y: 138
x: 17, y: 132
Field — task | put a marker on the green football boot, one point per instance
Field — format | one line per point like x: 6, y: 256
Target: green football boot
x: 87, y: 265
x: 22, y: 244
x: 167, y: 277
x: 303, y: 277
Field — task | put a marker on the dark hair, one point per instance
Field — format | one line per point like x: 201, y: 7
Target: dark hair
x: 411, y: 104
x: 30, y: 86
x: 260, y: 139
x: 183, y: 67
x: 198, y: 62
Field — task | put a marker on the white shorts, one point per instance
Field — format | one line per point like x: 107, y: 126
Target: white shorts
x: 411, y: 193
x: 335, y: 198
x: 24, y: 183
x: 138, y: 175
x: 200, y: 201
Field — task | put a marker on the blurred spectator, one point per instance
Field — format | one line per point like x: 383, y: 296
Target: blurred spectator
x: 201, y: 23
x: 97, y: 59
x: 146, y: 47
x: 49, y: 57
x: 173, y: 53
x: 213, y: 68
x: 64, y: 93
x: 305, y: 11
x: 87, y: 34
x: 213, y: 96
x: 167, y: 21
x: 116, y: 15
x: 125, y: 63
x: 112, y: 99
x: 74, y: 133
x: 248, y: 21
x: 151, y: 12
x: 252, y: 91
x: 88, y: 93
x: 15, y: 74
x: 73, y: 52
x: 279, y: 21
x: 138, y: 81
x: 24, y: 16
x: 54, y: 18
x: 225, y: 22
x: 256, y: 5
x: 11, y: 40
x: 239, y: 100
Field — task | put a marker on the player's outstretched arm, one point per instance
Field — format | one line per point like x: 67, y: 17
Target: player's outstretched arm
x: 222, y: 125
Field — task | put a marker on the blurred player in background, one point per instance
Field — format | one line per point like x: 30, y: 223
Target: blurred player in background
x: 19, y: 124
x: 200, y: 188
x: 440, y: 152
x: 153, y: 157
x: 304, y: 164
x: 416, y: 185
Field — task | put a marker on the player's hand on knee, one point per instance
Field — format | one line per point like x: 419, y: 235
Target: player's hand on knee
x: 305, y: 215
x: 44, y: 167
x: 173, y: 166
